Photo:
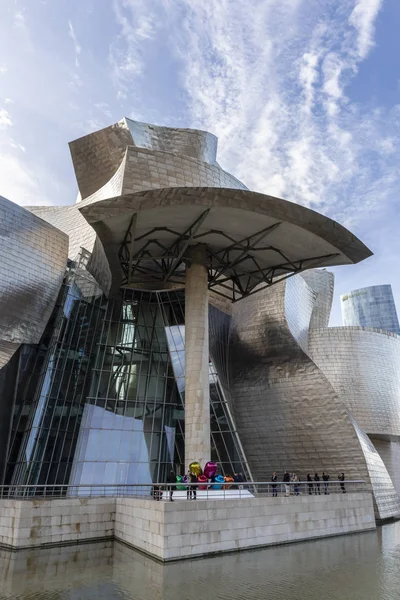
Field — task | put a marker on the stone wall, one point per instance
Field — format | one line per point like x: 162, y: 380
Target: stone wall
x: 175, y: 531
x: 171, y: 531
x: 28, y: 523
x: 140, y: 523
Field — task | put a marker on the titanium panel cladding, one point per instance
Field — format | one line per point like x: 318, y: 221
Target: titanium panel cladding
x: 33, y: 257
x: 363, y: 366
x: 129, y: 157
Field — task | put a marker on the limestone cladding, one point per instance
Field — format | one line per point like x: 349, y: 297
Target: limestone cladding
x: 197, y: 400
x: 170, y: 531
x: 30, y: 523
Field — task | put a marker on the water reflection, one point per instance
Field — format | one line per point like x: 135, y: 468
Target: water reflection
x: 357, y: 567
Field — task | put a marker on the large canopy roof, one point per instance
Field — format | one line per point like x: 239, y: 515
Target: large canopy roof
x: 252, y: 240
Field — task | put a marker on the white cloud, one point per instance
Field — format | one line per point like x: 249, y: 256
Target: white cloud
x: 269, y: 78
x: 19, y: 20
x: 137, y: 24
x: 77, y: 46
x: 362, y: 19
x: 21, y: 184
x: 5, y: 119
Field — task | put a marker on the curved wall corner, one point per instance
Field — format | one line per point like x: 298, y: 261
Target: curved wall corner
x: 386, y: 499
x: 363, y: 366
x: 198, y: 144
x: 81, y: 235
x: 287, y: 413
x: 390, y: 454
x: 322, y: 282
x: 130, y: 157
x: 33, y: 258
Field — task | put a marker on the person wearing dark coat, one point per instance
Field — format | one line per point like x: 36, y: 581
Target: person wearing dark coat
x: 341, y: 479
x: 286, y: 481
x: 171, y: 480
x: 310, y: 484
x: 325, y: 478
x: 193, y: 488
x: 317, y: 485
x: 274, y: 478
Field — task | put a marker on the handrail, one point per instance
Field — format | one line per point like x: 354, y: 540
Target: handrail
x: 164, y: 483
x: 182, y: 490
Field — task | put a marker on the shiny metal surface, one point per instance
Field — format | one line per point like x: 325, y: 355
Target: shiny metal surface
x: 287, y: 413
x: 33, y: 257
x: 357, y: 567
x: 81, y: 235
x: 363, y: 366
x: 130, y: 156
x: 291, y: 396
x: 322, y: 283
x: 387, y: 502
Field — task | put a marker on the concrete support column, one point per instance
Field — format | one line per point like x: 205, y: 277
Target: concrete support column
x: 197, y: 391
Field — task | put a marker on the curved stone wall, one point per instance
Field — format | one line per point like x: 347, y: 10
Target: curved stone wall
x: 33, y: 258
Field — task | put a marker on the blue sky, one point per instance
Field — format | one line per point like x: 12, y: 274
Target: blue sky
x: 304, y: 96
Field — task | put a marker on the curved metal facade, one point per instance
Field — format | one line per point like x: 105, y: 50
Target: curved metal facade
x: 81, y: 237
x: 290, y: 412
x: 363, y: 366
x: 33, y: 257
x: 130, y: 157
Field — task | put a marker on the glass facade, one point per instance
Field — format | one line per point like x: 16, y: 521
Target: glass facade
x: 371, y: 307
x: 104, y: 402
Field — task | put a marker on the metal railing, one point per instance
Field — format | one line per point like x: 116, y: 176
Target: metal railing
x: 183, y: 491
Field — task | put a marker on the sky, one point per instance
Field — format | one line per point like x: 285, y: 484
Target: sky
x: 304, y: 96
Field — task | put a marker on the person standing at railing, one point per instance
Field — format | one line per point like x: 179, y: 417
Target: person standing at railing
x: 192, y: 489
x: 310, y: 484
x: 325, y: 478
x: 295, y: 480
x: 341, y: 479
x: 171, y: 480
x: 317, y: 479
x: 274, y: 478
x: 238, y: 478
x: 286, y: 481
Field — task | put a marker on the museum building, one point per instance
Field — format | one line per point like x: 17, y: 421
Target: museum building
x: 171, y: 315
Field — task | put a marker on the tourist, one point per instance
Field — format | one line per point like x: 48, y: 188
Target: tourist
x: 325, y: 478
x: 295, y: 480
x: 310, y: 485
x: 240, y: 480
x: 286, y: 480
x: 317, y: 484
x: 192, y: 489
x: 341, y: 479
x: 274, y: 478
x: 157, y: 493
x: 188, y: 489
x: 171, y: 480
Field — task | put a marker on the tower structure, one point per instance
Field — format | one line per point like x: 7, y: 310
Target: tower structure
x: 372, y: 306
